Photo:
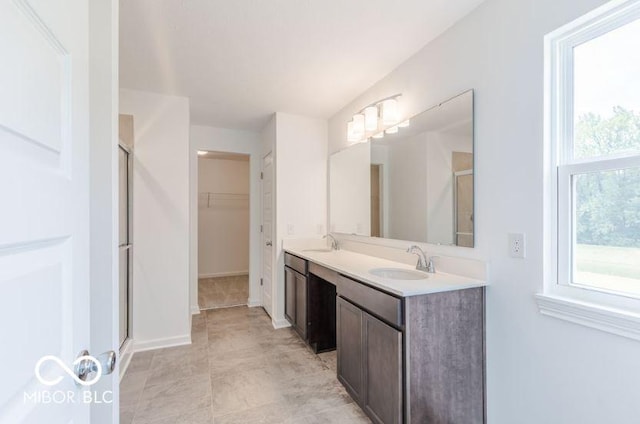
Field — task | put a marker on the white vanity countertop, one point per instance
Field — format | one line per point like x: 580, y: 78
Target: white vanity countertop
x: 357, y: 266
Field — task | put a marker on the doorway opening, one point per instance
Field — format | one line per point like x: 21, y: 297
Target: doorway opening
x: 376, y: 200
x: 223, y: 229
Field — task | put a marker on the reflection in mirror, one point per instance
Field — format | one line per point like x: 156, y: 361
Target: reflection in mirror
x: 414, y: 185
x: 349, y: 190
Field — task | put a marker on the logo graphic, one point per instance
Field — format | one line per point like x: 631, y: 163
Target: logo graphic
x: 86, y: 364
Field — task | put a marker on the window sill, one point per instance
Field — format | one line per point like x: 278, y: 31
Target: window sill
x: 616, y: 321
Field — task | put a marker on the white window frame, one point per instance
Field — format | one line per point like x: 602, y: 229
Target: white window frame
x: 617, y: 313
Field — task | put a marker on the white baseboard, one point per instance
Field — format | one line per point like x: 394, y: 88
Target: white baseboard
x: 280, y: 323
x: 141, y: 346
x: 252, y: 303
x: 126, y: 353
x: 195, y: 309
x: 223, y: 274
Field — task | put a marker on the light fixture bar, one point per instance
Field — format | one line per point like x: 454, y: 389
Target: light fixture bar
x: 375, y: 119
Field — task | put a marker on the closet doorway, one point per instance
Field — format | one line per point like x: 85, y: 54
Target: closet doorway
x: 223, y: 229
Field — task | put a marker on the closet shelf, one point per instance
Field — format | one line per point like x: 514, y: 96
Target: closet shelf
x: 222, y: 200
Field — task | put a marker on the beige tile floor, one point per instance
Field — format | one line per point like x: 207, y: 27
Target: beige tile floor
x: 237, y: 370
x: 222, y: 292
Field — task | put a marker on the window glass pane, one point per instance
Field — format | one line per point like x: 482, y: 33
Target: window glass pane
x: 607, y: 230
x: 607, y: 93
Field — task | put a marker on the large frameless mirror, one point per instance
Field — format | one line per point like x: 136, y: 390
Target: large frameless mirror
x: 416, y: 184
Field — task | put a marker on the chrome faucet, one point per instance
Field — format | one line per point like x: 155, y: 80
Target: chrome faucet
x: 423, y: 264
x: 334, y: 242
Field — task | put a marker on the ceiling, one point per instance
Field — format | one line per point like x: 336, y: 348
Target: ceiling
x: 241, y: 60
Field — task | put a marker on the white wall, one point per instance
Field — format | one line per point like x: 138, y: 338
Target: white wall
x: 223, y: 221
x: 380, y: 156
x: 230, y: 141
x: 350, y: 208
x: 407, y: 179
x: 268, y: 146
x: 160, y: 218
x: 300, y: 146
x: 539, y: 369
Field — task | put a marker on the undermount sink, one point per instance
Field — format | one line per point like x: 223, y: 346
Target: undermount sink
x: 399, y: 274
x: 320, y: 249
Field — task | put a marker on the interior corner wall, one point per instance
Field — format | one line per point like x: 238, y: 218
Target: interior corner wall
x: 160, y: 218
x: 539, y: 369
x: 300, y: 190
x: 229, y: 141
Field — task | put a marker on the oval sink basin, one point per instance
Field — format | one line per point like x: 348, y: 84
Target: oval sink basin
x: 399, y: 274
x: 321, y: 249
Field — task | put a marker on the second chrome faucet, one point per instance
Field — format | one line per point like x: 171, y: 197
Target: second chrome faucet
x: 423, y: 264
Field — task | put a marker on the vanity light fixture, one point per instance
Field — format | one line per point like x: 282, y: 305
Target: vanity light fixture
x: 202, y: 153
x: 358, y: 125
x: 351, y: 135
x: 390, y: 111
x: 376, y: 119
x: 404, y: 124
x: 371, y: 118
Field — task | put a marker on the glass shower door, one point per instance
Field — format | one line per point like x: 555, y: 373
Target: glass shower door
x: 124, y: 158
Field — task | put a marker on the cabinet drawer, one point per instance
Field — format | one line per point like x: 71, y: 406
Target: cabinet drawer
x: 379, y: 303
x: 296, y: 263
x: 324, y: 273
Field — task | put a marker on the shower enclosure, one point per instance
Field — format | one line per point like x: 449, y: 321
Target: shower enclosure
x: 125, y: 246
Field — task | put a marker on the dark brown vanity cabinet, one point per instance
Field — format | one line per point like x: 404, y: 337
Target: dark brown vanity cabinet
x: 349, y: 339
x: 370, y: 362
x: 310, y: 302
x: 295, y: 293
x: 382, y: 364
x: 369, y: 356
x: 418, y: 359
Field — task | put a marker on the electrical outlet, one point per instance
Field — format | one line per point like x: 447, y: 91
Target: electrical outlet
x: 517, y: 248
x: 320, y: 229
x: 291, y: 229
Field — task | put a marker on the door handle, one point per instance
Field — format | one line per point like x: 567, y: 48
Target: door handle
x: 89, y: 365
x: 269, y: 243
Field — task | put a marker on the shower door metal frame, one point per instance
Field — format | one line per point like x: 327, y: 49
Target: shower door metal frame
x: 129, y: 245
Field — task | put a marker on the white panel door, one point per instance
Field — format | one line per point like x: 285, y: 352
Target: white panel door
x: 44, y: 218
x: 267, y: 233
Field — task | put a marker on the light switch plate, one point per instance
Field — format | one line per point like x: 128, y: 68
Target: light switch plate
x: 517, y: 247
x: 291, y: 229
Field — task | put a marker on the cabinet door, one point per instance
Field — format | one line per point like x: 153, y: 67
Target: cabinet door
x: 349, y: 346
x: 382, y: 363
x: 301, y: 305
x: 290, y: 295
